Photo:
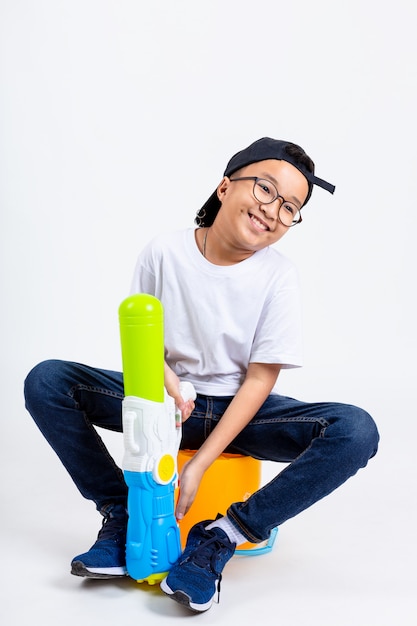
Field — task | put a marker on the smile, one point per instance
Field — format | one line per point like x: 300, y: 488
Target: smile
x: 259, y: 225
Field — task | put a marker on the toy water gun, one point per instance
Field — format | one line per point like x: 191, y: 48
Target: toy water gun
x: 151, y: 435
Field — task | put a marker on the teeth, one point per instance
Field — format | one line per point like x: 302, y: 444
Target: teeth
x: 258, y: 223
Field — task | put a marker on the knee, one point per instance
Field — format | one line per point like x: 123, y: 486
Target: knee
x: 361, y: 432
x: 40, y: 383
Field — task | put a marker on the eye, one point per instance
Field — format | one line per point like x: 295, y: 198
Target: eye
x: 264, y: 186
x: 290, y: 208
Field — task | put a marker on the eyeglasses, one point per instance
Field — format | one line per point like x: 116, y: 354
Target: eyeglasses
x: 265, y: 192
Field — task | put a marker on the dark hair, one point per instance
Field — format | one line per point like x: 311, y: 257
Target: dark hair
x: 299, y: 156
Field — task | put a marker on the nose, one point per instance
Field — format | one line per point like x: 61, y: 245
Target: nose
x: 271, y: 209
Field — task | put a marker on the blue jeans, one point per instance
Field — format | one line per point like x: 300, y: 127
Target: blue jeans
x: 323, y: 443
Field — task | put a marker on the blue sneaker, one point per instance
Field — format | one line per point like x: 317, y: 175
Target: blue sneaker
x: 107, y: 557
x: 195, y: 577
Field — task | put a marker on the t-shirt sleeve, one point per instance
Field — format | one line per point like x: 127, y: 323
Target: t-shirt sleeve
x: 144, y: 275
x: 278, y: 336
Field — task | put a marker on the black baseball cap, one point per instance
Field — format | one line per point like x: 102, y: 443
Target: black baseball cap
x: 262, y: 150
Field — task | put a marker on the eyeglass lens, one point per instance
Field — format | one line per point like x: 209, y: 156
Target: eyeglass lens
x: 266, y: 192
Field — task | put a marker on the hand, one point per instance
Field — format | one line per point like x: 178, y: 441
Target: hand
x: 189, y: 482
x: 172, y: 385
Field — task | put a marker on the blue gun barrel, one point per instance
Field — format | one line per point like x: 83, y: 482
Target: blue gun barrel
x: 153, y: 541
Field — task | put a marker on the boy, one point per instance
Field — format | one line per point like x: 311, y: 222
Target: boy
x: 232, y: 322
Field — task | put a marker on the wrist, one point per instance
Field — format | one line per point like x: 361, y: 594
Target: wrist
x: 202, y: 460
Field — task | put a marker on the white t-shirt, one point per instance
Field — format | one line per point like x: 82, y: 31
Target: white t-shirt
x: 218, y: 319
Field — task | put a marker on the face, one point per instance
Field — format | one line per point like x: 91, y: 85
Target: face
x: 242, y: 221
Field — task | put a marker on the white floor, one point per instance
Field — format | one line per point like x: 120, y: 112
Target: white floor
x: 350, y: 559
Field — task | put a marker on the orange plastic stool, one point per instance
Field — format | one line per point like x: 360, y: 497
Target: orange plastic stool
x: 231, y: 478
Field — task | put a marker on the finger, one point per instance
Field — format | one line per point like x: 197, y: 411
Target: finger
x: 187, y: 409
x: 181, y: 508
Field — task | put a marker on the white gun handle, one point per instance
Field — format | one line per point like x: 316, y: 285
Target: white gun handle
x: 187, y: 392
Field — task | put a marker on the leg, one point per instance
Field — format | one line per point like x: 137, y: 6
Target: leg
x: 324, y: 444
x: 67, y: 400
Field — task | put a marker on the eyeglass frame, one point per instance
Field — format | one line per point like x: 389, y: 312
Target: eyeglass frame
x: 255, y: 180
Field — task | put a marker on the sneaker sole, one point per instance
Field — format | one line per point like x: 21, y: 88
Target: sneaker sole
x: 79, y: 569
x: 184, y: 599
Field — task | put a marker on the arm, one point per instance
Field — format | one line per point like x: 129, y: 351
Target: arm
x: 172, y: 385
x: 256, y: 387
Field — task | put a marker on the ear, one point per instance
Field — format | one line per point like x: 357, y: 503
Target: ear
x: 222, y: 188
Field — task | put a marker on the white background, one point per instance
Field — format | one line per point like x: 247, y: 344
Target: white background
x: 117, y: 119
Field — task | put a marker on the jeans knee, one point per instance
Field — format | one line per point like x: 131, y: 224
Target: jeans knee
x: 363, y: 433
x: 38, y: 383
